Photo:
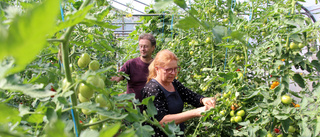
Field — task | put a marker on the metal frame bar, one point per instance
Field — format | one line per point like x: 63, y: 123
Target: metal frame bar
x: 126, y: 23
x: 308, y: 13
x: 127, y: 6
x: 123, y: 30
x: 141, y: 2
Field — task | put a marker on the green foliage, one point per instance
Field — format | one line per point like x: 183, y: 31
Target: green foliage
x: 244, y: 59
x: 27, y: 34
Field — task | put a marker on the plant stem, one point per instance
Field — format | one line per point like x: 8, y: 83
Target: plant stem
x: 94, y: 123
x: 65, y: 52
x: 55, y: 40
x: 35, y: 132
x: 195, y: 132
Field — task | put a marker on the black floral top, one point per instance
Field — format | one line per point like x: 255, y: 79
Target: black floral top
x: 153, y: 88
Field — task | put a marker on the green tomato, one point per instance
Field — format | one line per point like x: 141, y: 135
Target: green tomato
x: 232, y: 113
x: 240, y: 75
x: 94, y: 65
x: 102, y: 117
x: 82, y: 98
x: 269, y: 135
x: 293, y: 45
x: 208, y: 40
x: 232, y: 119
x: 93, y: 121
x: 223, y: 112
x: 280, y: 135
x: 225, y: 20
x: 65, y: 84
x: 238, y: 58
x: 101, y: 83
x: 238, y: 119
x: 291, y: 129
x: 286, y: 99
x: 101, y: 100
x: 241, y: 113
x: 71, y: 67
x: 225, y: 95
x: 312, y: 49
x: 300, y: 45
x: 84, y: 60
x: 86, y: 112
x: 85, y: 91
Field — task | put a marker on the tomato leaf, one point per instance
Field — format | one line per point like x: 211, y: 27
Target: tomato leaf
x: 318, y: 55
x: 128, y: 133
x: 188, y: 23
x: 298, y: 79
x: 296, y: 37
x: 316, y: 92
x: 219, y: 32
x: 73, y: 19
x: 55, y: 128
x: 27, y: 34
x: 125, y: 97
x: 305, y: 131
x: 91, y: 22
x: 89, y: 133
x: 110, y: 131
x: 9, y: 114
x: 102, y: 111
x: 133, y: 114
x: 162, y: 4
x: 317, y: 126
x: 35, y: 91
x: 181, y: 3
x: 143, y: 131
x: 316, y: 64
x: 285, y: 123
x: 172, y: 128
x: 35, y: 118
x: 151, y: 109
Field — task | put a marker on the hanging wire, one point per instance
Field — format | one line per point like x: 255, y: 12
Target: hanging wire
x: 163, y: 26
x: 171, y: 27
x: 72, y: 113
x: 226, y: 55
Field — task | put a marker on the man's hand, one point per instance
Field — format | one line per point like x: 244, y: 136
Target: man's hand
x: 115, y: 78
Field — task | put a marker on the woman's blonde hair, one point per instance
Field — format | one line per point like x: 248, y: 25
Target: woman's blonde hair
x: 162, y: 58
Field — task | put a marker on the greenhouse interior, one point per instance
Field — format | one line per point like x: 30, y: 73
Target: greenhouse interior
x: 142, y: 68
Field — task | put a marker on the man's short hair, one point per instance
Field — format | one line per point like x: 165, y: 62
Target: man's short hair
x: 149, y: 37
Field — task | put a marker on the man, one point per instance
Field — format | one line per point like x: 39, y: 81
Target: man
x: 137, y: 68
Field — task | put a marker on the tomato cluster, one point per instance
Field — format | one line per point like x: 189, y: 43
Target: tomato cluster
x: 274, y: 84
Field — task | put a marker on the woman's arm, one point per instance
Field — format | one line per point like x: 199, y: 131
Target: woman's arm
x: 183, y: 116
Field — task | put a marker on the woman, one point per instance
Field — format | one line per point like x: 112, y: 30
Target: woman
x: 170, y: 94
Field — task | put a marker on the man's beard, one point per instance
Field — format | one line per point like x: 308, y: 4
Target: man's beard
x: 144, y: 56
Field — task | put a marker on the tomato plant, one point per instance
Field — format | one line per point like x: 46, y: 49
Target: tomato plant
x: 249, y: 61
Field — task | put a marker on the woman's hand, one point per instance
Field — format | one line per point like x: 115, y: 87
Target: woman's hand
x: 209, y: 102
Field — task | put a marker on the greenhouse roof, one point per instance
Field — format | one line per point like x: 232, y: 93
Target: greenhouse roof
x: 137, y: 8
x: 131, y: 6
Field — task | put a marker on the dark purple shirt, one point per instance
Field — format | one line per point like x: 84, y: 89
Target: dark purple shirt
x: 138, y: 73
